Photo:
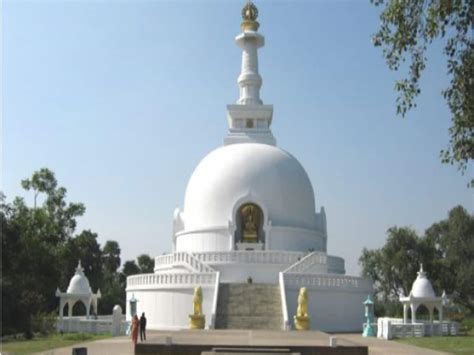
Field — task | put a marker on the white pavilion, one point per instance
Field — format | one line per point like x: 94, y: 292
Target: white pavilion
x: 422, y: 293
x: 78, y: 290
x: 249, y: 233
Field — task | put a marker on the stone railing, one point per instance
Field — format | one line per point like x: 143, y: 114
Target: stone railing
x: 326, y: 281
x: 308, y: 263
x: 182, y: 259
x: 389, y: 328
x: 249, y: 257
x: 83, y: 325
x: 165, y: 280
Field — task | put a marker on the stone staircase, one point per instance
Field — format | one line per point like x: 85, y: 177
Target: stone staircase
x: 249, y: 306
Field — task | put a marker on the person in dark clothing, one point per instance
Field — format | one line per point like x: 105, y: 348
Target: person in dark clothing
x: 142, y: 327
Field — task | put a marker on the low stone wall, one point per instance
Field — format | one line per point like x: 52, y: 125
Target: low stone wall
x: 103, y: 324
x: 389, y: 328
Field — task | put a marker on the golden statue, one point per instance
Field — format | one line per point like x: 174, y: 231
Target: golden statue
x: 302, y: 319
x: 249, y: 215
x: 197, y: 319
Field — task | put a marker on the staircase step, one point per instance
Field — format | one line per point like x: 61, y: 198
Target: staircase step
x: 249, y: 306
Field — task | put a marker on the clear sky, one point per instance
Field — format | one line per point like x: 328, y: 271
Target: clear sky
x: 121, y: 99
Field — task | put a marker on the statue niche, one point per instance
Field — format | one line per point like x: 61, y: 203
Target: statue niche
x: 251, y: 222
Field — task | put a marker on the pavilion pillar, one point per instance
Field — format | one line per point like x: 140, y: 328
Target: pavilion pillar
x: 88, y: 308
x: 440, y: 313
x: 94, y: 306
x: 61, y: 308
x: 430, y: 309
x: 69, y: 308
x: 405, y: 313
x: 413, y: 313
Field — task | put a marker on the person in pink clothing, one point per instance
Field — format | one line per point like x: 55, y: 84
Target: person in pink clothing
x: 135, y: 326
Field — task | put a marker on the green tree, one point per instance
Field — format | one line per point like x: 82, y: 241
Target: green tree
x: 83, y: 247
x: 111, y: 257
x: 394, y: 265
x: 130, y: 268
x: 41, y: 181
x: 113, y: 292
x: 145, y: 263
x: 453, y: 241
x: 408, y: 28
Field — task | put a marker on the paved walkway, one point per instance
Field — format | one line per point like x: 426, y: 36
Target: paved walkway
x: 111, y: 346
x: 123, y: 345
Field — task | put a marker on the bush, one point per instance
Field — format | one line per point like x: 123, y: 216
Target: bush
x: 44, y: 323
x: 77, y: 336
x: 467, y: 325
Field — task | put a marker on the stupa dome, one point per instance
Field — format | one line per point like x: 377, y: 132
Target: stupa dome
x: 250, y: 172
x: 79, y: 283
x: 422, y: 287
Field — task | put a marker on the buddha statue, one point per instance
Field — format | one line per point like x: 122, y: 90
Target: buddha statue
x: 250, y: 224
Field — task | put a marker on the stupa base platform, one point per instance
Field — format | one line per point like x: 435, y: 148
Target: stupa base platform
x: 192, y: 342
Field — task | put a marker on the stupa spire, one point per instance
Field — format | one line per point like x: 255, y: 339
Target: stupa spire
x: 249, y: 40
x: 249, y: 118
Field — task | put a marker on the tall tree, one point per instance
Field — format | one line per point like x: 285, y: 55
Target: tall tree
x: 130, y: 268
x: 113, y: 292
x: 453, y: 241
x: 83, y: 247
x: 408, y: 28
x: 145, y: 263
x: 111, y: 256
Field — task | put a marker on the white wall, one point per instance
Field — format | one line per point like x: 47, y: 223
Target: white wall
x: 330, y: 309
x: 277, y: 238
x: 295, y: 239
x: 213, y: 240
x: 170, y: 308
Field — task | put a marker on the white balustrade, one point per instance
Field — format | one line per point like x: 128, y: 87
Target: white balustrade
x: 183, y: 259
x: 249, y: 257
x: 330, y: 281
x: 307, y: 262
x: 151, y: 281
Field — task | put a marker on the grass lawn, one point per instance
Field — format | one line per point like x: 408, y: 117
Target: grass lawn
x: 49, y: 342
x: 462, y: 344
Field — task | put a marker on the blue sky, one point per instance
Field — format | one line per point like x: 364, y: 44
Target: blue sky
x: 121, y: 99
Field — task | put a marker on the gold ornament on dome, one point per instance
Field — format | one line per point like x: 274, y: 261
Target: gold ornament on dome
x: 249, y: 16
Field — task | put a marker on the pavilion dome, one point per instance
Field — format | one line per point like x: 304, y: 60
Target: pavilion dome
x: 79, y: 283
x: 422, y: 287
x: 249, y: 172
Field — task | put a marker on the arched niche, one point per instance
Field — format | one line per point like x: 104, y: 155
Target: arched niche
x: 79, y: 308
x: 249, y: 222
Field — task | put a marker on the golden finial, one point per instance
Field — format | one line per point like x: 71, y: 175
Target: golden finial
x: 249, y: 15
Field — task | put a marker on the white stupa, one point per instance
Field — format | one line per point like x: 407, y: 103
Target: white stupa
x: 78, y: 290
x: 249, y: 215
